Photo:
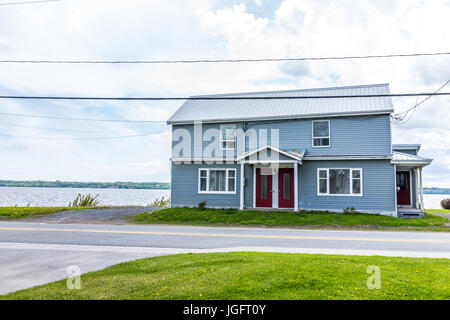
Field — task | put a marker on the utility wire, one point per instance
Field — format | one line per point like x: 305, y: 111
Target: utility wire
x: 418, y: 104
x: 227, y: 60
x: 80, y: 119
x: 98, y: 138
x: 227, y: 97
x: 27, y: 2
x: 57, y: 129
x: 400, y: 118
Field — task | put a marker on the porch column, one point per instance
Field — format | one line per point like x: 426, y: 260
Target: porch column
x: 416, y: 173
x: 254, y: 186
x: 421, y: 189
x: 296, y: 186
x: 241, y: 203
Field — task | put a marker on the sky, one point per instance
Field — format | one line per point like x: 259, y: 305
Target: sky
x: 201, y: 29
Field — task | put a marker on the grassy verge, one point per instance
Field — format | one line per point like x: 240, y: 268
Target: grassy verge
x: 194, y: 216
x: 27, y: 212
x: 438, y: 210
x: 255, y: 276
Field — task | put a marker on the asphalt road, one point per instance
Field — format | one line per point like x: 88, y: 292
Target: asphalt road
x: 36, y: 253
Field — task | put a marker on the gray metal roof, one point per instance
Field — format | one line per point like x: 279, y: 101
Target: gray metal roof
x: 404, y: 158
x: 238, y: 110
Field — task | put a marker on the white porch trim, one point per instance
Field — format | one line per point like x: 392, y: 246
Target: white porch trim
x: 254, y: 186
x: 296, y: 186
x: 241, y: 199
x: 287, y: 154
x: 421, y: 189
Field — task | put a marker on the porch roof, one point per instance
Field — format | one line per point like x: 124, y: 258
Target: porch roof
x: 401, y: 158
x: 291, y: 155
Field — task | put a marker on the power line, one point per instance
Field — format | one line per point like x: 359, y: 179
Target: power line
x: 58, y: 129
x: 27, y: 2
x: 227, y: 60
x: 392, y: 95
x: 418, y: 104
x: 400, y: 118
x: 80, y: 119
x: 98, y: 138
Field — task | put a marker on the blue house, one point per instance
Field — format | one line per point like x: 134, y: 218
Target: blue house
x: 324, y: 154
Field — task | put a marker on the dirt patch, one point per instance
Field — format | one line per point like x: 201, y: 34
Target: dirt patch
x: 92, y: 216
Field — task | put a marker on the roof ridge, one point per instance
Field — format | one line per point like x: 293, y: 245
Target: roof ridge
x: 296, y: 90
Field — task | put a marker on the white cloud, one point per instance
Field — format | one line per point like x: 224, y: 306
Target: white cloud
x: 193, y: 29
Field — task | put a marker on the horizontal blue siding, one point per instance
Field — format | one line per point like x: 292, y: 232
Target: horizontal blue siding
x: 184, y: 189
x: 362, y: 135
x: 248, y: 189
x: 201, y: 145
x: 358, y: 135
x: 378, y: 186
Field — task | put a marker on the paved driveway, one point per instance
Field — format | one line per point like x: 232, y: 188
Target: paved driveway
x: 102, y: 216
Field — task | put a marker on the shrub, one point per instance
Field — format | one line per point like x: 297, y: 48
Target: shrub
x: 202, y: 205
x: 160, y: 203
x: 84, y: 201
x: 350, y: 210
x: 445, y: 203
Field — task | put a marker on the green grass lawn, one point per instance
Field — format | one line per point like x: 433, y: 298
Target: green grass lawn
x: 255, y: 276
x: 27, y: 212
x: 438, y: 210
x: 194, y: 216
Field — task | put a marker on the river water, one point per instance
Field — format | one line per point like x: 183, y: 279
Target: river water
x: 60, y: 197
x: 55, y: 197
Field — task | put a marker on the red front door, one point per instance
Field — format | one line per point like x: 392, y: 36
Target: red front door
x: 286, y: 188
x: 263, y: 189
x: 403, y: 191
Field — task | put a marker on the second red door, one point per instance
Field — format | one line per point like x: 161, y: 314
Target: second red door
x: 286, y: 188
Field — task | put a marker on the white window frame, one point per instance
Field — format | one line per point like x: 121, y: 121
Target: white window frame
x: 351, y: 194
x: 221, y: 137
x: 328, y: 137
x: 227, y: 170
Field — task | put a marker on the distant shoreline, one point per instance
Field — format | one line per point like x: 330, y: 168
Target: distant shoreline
x: 93, y: 185
x: 133, y: 185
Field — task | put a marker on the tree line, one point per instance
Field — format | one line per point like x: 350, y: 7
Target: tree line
x: 75, y: 184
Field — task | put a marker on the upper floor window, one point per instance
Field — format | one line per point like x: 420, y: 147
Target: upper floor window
x: 228, y: 137
x: 321, y: 133
x: 339, y: 182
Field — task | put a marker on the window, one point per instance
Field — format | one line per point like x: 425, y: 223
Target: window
x: 227, y: 137
x: 321, y: 133
x: 263, y: 187
x: 323, y: 178
x: 356, y: 181
x: 339, y: 182
x: 231, y: 180
x: 287, y: 186
x: 217, y: 180
x: 203, y: 179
